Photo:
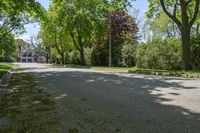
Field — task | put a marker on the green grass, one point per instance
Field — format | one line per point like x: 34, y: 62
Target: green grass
x: 4, y: 67
x: 96, y: 67
x: 196, y: 72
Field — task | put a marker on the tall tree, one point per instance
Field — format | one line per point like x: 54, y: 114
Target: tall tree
x: 184, y: 14
x: 124, y: 31
x: 54, y: 34
x: 161, y: 26
x: 14, y: 14
x: 79, y: 18
x: 7, y: 45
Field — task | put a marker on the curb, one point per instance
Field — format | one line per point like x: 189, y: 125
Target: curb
x: 169, y: 74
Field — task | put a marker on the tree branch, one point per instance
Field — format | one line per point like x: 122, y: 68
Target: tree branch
x: 3, y: 26
x: 74, y: 41
x: 189, y: 2
x: 172, y: 16
x: 56, y: 44
x: 4, y: 34
x: 195, y: 13
x: 175, y: 8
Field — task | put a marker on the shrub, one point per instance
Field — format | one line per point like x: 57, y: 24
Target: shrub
x: 128, y: 55
x: 88, y: 52
x: 73, y: 57
x: 99, y: 56
x: 160, y: 54
x: 196, y: 52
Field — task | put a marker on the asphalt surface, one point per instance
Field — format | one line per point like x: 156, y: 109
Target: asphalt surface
x: 98, y: 101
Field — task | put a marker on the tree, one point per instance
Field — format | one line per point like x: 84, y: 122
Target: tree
x: 14, y: 14
x: 79, y: 18
x: 159, y: 53
x: 124, y: 31
x: 184, y: 14
x: 160, y: 26
x: 7, y: 45
x: 54, y: 34
x: 196, y: 52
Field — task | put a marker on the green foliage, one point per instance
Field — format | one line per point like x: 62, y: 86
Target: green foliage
x: 88, y: 52
x: 159, y: 54
x: 54, y: 35
x: 4, y: 67
x: 124, y: 30
x: 14, y: 14
x: 76, y: 25
x: 128, y: 55
x: 183, y: 13
x: 73, y: 57
x: 196, y: 52
x: 99, y: 56
x: 7, y: 46
x: 161, y: 26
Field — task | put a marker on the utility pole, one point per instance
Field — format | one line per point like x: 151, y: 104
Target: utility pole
x: 110, y: 39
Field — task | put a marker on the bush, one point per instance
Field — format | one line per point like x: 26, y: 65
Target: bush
x: 128, y: 55
x: 99, y: 56
x: 196, y: 52
x: 73, y: 57
x: 160, y: 54
x: 8, y: 59
x: 88, y: 52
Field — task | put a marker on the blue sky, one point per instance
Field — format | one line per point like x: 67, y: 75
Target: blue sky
x: 33, y: 29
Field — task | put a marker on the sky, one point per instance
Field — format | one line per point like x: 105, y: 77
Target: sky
x: 33, y: 29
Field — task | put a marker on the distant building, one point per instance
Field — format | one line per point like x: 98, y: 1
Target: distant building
x: 27, y: 55
x: 27, y: 52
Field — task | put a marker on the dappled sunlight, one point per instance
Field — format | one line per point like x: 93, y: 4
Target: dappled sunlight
x: 82, y: 101
x: 60, y: 97
x: 89, y: 81
x: 135, y: 99
x: 181, y: 97
x: 26, y: 108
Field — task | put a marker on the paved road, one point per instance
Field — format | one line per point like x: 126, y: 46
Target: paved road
x: 94, y: 101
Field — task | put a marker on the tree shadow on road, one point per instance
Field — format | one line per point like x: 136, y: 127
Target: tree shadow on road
x: 25, y: 108
x: 124, y: 104
x: 89, y: 102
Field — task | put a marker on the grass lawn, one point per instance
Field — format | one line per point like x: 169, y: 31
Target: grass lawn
x: 97, y: 67
x: 196, y: 72
x: 4, y: 67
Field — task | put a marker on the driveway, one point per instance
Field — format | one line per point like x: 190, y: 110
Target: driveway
x: 48, y: 99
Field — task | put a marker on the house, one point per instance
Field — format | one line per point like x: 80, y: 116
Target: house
x: 27, y: 52
x: 27, y: 55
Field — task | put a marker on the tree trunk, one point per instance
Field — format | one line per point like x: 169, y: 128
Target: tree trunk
x: 197, y: 30
x: 82, y: 58
x: 47, y: 58
x: 186, y: 49
x: 63, y: 58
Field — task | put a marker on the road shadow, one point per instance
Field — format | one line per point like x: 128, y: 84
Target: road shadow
x: 110, y: 103
x: 89, y: 102
x: 24, y: 108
